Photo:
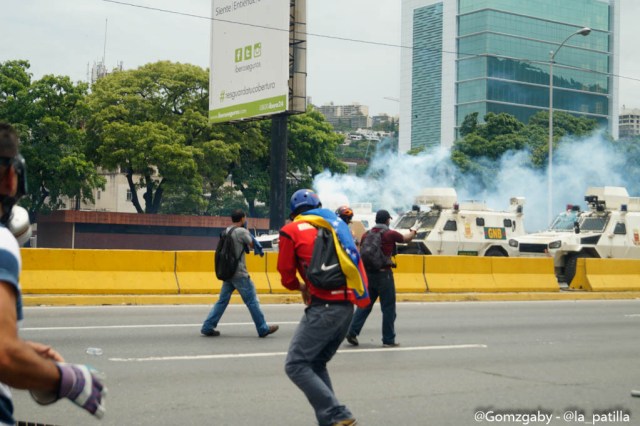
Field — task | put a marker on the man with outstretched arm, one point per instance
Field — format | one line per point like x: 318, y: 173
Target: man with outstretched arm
x: 381, y: 283
x: 29, y: 365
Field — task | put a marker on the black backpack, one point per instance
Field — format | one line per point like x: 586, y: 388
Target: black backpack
x: 226, y: 261
x: 371, y: 252
x: 324, y: 270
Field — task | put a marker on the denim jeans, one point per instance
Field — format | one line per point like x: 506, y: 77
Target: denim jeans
x: 380, y: 284
x: 247, y: 291
x: 315, y: 341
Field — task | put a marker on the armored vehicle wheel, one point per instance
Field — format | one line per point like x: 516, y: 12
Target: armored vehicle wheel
x: 495, y: 252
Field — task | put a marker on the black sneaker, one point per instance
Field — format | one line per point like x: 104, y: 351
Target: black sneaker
x: 272, y: 329
x: 210, y: 333
x: 390, y: 345
x: 353, y: 340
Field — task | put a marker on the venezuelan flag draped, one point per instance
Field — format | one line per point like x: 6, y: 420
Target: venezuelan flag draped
x: 348, y: 255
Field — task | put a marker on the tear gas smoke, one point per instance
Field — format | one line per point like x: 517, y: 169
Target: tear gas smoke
x: 394, y: 179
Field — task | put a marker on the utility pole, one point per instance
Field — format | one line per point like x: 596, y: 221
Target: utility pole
x: 278, y: 172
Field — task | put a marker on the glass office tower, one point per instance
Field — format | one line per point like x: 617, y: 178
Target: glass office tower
x: 500, y: 55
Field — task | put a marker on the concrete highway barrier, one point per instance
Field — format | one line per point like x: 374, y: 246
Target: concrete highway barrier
x: 138, y: 272
x: 456, y: 274
x: 64, y: 271
x: 524, y: 274
x: 195, y: 273
x: 273, y: 275
x: 409, y: 274
x: 461, y: 274
x: 607, y: 275
x: 257, y: 267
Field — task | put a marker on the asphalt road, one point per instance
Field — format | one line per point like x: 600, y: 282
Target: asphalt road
x: 455, y: 359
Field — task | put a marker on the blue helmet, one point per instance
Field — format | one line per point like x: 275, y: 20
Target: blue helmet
x: 304, y: 197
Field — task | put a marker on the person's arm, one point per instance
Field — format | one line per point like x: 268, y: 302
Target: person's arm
x: 406, y: 238
x: 287, y: 262
x: 39, y: 368
x: 21, y: 365
x: 246, y: 237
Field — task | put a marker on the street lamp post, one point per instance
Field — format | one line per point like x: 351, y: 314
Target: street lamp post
x: 584, y: 32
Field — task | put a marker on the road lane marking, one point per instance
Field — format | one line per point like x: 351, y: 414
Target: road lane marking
x: 271, y: 354
x: 632, y: 315
x: 109, y: 327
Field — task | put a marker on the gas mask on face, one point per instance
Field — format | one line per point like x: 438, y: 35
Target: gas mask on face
x: 16, y: 218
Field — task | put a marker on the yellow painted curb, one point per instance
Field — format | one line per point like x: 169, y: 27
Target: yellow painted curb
x: 293, y: 297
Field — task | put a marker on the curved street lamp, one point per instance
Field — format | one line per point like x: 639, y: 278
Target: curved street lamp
x: 552, y: 54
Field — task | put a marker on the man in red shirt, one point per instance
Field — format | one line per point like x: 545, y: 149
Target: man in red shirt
x: 326, y: 319
x: 381, y: 284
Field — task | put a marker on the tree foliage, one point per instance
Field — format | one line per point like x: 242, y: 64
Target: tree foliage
x: 477, y: 153
x: 312, y: 148
x: 152, y: 122
x: 49, y: 116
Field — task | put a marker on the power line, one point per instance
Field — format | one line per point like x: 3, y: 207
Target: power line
x: 353, y: 40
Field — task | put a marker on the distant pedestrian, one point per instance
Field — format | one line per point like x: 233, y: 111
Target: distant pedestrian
x: 381, y: 282
x: 241, y: 281
x: 29, y: 365
x: 328, y: 312
x: 346, y: 214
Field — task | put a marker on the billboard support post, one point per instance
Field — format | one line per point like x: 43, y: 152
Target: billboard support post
x: 278, y: 193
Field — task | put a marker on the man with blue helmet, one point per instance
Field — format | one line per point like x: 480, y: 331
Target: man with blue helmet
x: 328, y: 312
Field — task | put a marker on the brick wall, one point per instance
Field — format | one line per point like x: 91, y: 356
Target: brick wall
x: 106, y: 230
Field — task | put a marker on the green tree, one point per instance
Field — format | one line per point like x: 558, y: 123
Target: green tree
x: 478, y: 152
x: 565, y: 126
x: 312, y: 148
x: 48, y: 114
x: 469, y: 124
x: 498, y: 124
x: 250, y: 170
x: 153, y: 123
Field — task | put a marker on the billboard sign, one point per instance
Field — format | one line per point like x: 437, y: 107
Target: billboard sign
x: 249, y: 59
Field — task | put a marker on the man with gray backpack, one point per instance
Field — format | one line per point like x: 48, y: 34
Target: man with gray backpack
x: 231, y: 268
x: 376, y: 248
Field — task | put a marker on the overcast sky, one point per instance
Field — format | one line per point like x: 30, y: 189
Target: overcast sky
x: 63, y: 36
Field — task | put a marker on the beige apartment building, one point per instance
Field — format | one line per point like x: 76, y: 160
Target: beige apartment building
x: 629, y: 123
x: 115, y: 197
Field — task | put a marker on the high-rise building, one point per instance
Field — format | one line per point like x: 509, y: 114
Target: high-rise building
x: 494, y: 56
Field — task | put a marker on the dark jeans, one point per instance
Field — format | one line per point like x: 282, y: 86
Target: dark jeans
x: 380, y: 284
x: 315, y: 341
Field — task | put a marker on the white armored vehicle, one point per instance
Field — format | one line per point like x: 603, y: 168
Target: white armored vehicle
x: 446, y: 227
x: 608, y: 229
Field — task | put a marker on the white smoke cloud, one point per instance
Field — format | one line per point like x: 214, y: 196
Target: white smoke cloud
x: 394, y: 179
